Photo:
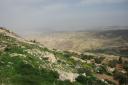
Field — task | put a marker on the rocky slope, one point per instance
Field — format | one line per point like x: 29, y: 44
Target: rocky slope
x: 25, y: 62
x: 30, y: 63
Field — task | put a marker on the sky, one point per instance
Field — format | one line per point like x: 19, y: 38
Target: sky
x: 29, y: 16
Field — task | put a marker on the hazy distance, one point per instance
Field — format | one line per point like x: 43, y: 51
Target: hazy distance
x: 33, y: 16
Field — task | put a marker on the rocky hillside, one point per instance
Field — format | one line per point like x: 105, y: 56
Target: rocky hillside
x: 25, y: 62
x: 30, y: 63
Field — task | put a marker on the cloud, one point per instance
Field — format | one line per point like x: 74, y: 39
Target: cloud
x: 102, y: 1
x: 55, y: 7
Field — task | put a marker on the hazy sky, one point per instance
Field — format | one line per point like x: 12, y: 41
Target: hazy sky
x: 25, y: 16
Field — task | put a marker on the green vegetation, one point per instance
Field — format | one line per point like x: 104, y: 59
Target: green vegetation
x: 89, y: 80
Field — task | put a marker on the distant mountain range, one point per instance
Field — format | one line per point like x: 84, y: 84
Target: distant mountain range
x: 83, y: 41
